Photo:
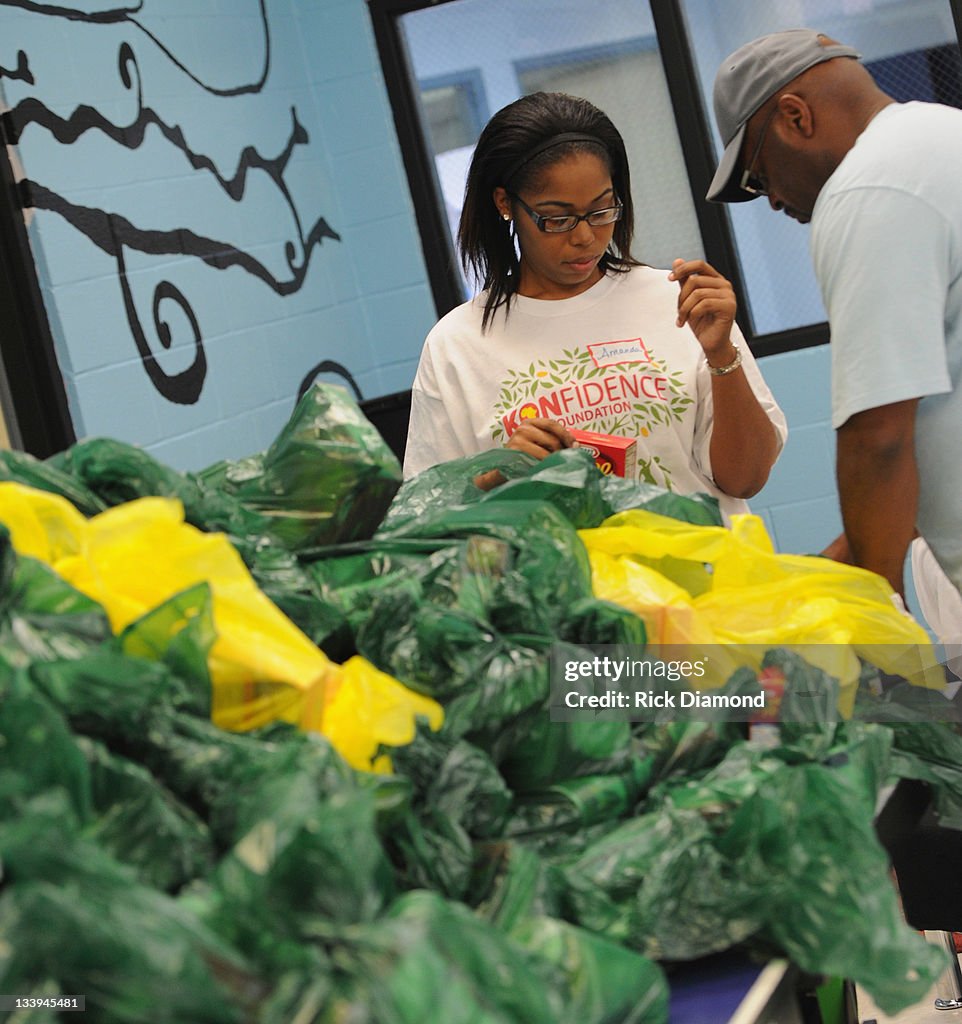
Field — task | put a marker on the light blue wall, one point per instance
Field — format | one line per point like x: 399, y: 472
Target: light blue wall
x: 269, y: 303
x: 800, y: 501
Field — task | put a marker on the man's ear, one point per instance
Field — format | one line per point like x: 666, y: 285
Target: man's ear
x: 796, y: 114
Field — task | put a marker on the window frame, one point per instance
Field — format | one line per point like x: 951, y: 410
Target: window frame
x: 439, y: 256
x: 586, y: 54
x: 694, y: 132
x: 33, y: 393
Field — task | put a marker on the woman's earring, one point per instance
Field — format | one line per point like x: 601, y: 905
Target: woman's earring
x: 506, y: 216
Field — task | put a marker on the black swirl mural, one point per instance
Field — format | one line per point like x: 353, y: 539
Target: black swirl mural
x: 118, y: 235
x: 21, y: 72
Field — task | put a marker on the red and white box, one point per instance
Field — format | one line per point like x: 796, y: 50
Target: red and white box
x: 614, y: 456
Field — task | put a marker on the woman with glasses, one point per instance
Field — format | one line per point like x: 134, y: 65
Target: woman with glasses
x: 570, y: 331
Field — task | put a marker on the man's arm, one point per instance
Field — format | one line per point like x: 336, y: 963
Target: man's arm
x: 878, y: 487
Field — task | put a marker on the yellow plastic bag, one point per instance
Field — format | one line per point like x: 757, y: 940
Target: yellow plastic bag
x: 366, y: 708
x: 134, y: 557
x: 729, y: 587
x: 667, y: 609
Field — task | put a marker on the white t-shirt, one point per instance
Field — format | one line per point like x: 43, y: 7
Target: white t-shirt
x: 940, y: 602
x: 610, y: 360
x: 887, y: 249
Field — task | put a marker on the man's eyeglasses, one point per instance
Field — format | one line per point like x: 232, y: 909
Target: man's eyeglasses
x: 569, y: 221
x: 749, y: 182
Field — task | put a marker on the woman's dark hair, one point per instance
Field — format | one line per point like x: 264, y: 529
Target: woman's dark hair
x: 509, y: 154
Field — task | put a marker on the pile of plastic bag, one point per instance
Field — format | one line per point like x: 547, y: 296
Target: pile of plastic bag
x: 696, y: 587
x: 138, y: 557
x: 496, y: 865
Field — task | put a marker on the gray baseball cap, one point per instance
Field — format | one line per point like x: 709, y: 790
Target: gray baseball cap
x: 747, y: 78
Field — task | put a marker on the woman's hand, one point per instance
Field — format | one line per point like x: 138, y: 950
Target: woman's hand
x: 535, y: 436
x: 706, y: 302
x: 540, y: 437
x: 744, y: 443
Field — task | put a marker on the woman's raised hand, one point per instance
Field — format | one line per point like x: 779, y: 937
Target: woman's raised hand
x: 706, y: 302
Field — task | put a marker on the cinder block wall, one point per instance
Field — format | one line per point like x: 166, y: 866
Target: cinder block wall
x: 800, y: 501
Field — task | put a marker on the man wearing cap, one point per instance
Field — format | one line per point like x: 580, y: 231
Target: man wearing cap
x: 805, y: 125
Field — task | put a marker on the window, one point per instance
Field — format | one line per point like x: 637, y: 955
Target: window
x: 933, y: 74
x: 453, y: 114
x: 650, y: 64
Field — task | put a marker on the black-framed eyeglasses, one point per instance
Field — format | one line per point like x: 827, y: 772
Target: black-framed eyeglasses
x: 749, y: 181
x: 556, y: 224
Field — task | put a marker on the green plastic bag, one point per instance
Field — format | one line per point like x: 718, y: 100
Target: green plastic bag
x: 302, y: 849
x: 569, y: 480
x: 538, y: 570
x: 281, y: 576
x: 573, y: 804
x: 765, y: 849
x: 591, y: 622
x: 111, y: 696
x: 454, y: 778
x: 466, y: 605
x: 328, y: 477
x: 37, y: 750
x: 43, y: 618
x: 212, y: 770
x: 450, y: 485
x: 426, y: 605
x: 179, y: 633
x: 22, y: 468
x: 135, y: 954
x: 842, y: 917
x: 456, y: 797
x: 534, y: 752
x: 430, y: 959
x: 513, y: 883
x: 451, y: 966
x: 445, y: 964
x: 140, y: 823
x: 117, y: 472
x: 605, y: 982
x: 931, y: 752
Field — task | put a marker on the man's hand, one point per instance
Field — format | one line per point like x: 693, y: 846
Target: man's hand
x: 839, y: 550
